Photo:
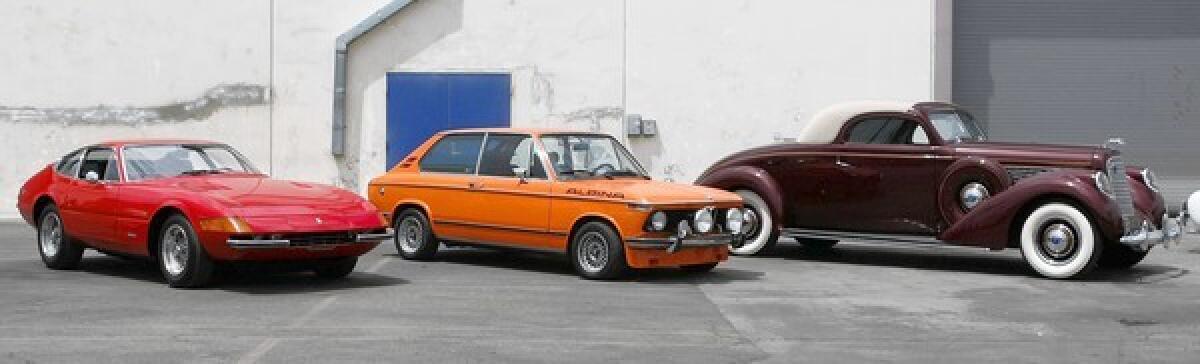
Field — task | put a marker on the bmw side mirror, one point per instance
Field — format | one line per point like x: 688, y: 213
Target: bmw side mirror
x: 521, y: 173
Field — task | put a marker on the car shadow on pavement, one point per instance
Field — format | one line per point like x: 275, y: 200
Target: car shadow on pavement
x: 559, y: 264
x: 248, y: 279
x: 956, y: 259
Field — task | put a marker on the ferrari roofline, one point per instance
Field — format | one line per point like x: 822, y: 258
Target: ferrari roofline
x: 151, y: 141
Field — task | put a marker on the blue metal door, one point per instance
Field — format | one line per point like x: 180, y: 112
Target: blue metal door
x: 421, y: 104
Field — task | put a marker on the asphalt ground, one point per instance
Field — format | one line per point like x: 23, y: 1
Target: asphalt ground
x: 854, y: 303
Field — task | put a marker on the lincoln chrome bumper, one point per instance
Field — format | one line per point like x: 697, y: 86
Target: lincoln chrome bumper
x: 360, y: 238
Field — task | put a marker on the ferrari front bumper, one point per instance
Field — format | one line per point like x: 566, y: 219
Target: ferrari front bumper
x: 300, y: 241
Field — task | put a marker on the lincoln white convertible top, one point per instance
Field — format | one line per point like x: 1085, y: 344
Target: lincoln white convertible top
x: 825, y: 124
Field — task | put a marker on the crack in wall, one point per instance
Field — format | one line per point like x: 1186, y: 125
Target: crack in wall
x: 216, y: 98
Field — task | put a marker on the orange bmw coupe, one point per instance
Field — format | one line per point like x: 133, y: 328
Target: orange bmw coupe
x: 570, y: 192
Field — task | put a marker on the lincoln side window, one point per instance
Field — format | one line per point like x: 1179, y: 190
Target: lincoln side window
x: 455, y: 153
x: 99, y: 164
x: 887, y: 131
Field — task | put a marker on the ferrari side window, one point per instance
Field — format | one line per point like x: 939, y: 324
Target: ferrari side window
x: 456, y: 153
x: 99, y: 165
x: 68, y: 165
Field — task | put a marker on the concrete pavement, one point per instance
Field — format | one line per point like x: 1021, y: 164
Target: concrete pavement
x: 856, y: 303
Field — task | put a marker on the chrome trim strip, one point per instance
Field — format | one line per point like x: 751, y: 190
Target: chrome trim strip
x: 500, y: 227
x: 870, y: 237
x: 474, y: 242
x: 693, y: 241
x: 374, y: 237
x: 1115, y: 167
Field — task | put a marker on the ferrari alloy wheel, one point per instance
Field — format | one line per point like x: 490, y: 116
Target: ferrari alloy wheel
x: 58, y: 251
x: 414, y: 239
x: 597, y: 253
x: 181, y: 258
x: 1059, y: 241
x: 759, y: 227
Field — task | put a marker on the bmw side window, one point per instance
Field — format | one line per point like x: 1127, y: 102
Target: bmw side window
x: 506, y: 154
x: 455, y: 153
x: 69, y: 164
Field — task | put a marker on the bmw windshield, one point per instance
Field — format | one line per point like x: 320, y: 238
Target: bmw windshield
x: 583, y: 156
x: 956, y: 126
x: 162, y: 161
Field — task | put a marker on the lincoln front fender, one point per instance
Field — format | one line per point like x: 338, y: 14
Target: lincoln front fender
x: 990, y: 223
x: 747, y: 177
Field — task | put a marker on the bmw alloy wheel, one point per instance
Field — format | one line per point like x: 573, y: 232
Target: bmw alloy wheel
x: 592, y: 252
x: 411, y: 234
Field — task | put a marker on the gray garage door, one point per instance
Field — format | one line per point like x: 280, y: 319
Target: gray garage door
x: 1080, y: 71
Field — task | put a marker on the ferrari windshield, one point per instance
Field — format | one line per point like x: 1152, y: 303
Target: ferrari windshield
x: 956, y: 126
x: 578, y: 156
x: 160, y: 161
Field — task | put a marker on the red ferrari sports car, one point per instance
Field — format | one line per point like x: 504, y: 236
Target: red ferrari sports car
x: 190, y: 205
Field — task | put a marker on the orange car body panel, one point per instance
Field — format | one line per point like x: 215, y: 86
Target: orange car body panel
x: 538, y: 214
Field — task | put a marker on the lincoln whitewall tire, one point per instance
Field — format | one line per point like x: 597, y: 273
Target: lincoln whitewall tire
x: 1059, y: 241
x: 760, y: 232
x: 414, y: 235
x: 596, y: 252
x: 58, y: 250
x: 181, y: 257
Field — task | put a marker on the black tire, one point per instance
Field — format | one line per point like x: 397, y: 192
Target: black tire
x: 184, y: 264
x: 58, y: 250
x: 699, y: 268
x: 335, y: 268
x: 414, y: 238
x: 597, y: 252
x: 816, y: 244
x: 1121, y: 256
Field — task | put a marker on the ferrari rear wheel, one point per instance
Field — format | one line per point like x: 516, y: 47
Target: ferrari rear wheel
x: 414, y: 236
x: 1059, y: 241
x: 58, y: 250
x: 759, y: 227
x: 181, y: 258
x: 335, y: 268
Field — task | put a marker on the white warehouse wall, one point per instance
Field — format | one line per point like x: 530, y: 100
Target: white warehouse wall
x: 717, y: 75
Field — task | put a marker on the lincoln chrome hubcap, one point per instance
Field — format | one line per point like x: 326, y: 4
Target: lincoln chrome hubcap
x: 972, y: 194
x: 593, y: 252
x: 174, y: 250
x: 1058, y: 241
x: 750, y: 223
x: 50, y: 235
x: 410, y: 235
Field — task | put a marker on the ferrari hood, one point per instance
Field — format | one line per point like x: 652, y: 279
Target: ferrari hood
x: 259, y: 195
x: 1051, y: 155
x: 650, y: 192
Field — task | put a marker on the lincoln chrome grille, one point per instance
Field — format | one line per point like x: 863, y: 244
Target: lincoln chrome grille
x: 1120, y: 185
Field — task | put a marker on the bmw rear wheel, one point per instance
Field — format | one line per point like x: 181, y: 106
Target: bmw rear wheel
x: 597, y: 253
x: 759, y: 231
x: 414, y: 236
x: 58, y: 250
x: 1059, y: 241
x: 181, y: 258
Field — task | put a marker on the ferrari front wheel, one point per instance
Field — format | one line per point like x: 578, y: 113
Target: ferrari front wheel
x: 1059, y: 241
x: 181, y: 258
x: 759, y: 228
x: 58, y: 250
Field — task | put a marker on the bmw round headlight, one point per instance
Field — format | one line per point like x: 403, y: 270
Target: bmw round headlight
x: 734, y: 220
x: 1103, y: 183
x: 658, y: 221
x: 703, y: 220
x: 1150, y: 179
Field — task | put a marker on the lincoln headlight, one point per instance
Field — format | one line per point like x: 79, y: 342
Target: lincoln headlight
x: 1150, y: 179
x: 1103, y: 183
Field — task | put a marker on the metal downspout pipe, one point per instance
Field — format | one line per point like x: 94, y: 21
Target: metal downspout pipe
x: 340, y: 55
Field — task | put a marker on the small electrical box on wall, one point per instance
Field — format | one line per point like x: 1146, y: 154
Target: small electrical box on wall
x: 636, y: 126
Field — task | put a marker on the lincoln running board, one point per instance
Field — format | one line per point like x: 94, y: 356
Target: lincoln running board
x: 866, y: 237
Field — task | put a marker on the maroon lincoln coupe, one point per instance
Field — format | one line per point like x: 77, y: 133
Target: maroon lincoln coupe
x: 923, y: 173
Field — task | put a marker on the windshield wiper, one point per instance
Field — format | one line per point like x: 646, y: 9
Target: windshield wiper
x: 198, y: 172
x: 612, y: 174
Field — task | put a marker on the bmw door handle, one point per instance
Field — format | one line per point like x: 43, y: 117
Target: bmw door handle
x: 474, y: 185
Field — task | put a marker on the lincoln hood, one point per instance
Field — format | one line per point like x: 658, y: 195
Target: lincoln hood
x: 1050, y: 155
